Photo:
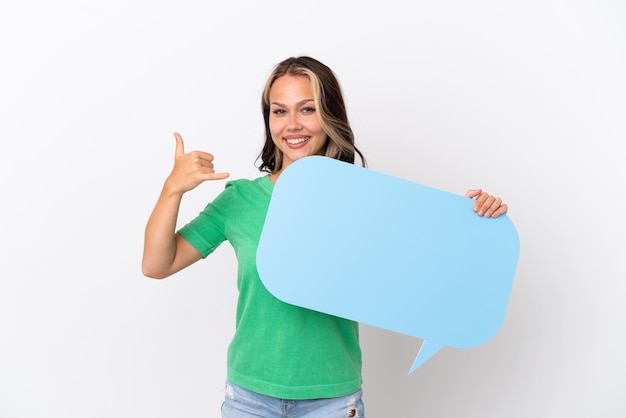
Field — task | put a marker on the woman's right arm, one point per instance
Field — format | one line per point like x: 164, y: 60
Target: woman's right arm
x: 165, y: 252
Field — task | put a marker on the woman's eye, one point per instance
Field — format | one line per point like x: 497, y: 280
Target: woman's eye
x: 308, y: 110
x: 279, y: 111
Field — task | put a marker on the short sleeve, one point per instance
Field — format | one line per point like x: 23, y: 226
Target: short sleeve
x: 207, y: 230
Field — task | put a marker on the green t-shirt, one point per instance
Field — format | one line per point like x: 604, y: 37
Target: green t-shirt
x: 278, y: 349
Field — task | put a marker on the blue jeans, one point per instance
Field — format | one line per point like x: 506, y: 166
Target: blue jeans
x: 242, y: 403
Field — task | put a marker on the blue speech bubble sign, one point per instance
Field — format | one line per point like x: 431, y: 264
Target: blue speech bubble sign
x: 366, y: 246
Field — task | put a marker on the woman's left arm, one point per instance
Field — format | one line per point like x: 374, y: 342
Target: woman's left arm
x: 487, y: 205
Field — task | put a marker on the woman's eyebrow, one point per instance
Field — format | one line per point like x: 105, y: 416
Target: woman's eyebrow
x: 301, y: 102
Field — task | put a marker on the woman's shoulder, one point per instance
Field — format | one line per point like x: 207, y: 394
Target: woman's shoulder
x: 260, y: 184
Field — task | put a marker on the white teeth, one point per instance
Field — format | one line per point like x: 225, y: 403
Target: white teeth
x: 296, y: 141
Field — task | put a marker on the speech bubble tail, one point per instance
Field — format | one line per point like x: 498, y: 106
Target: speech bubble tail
x: 427, y: 350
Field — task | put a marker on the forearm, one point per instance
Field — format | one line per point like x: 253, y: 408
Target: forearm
x: 159, y: 252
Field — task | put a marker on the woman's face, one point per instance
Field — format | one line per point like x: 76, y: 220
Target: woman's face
x: 294, y: 124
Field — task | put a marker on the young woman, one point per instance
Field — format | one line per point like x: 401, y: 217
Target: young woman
x: 283, y: 360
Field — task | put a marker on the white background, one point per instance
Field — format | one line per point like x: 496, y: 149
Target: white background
x: 524, y: 99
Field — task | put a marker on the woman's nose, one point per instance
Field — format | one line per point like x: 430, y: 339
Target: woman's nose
x: 294, y: 122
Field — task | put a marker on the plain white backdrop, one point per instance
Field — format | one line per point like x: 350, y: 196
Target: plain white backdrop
x: 524, y: 99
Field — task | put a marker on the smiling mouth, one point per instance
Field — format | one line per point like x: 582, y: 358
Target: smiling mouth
x: 296, y: 141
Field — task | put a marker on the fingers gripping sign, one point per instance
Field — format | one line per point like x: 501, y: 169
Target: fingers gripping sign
x: 192, y: 168
x: 486, y: 204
